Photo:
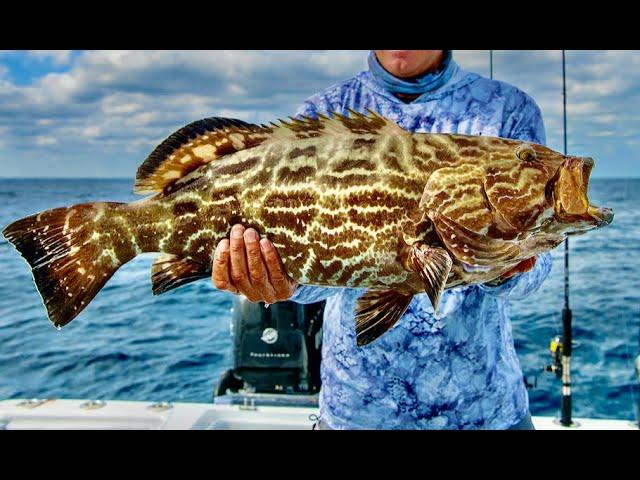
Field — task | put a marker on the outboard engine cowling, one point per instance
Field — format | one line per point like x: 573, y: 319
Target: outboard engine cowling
x: 276, y: 349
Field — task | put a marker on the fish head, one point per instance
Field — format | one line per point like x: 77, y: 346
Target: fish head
x: 568, y: 191
x: 531, y: 188
x: 506, y: 202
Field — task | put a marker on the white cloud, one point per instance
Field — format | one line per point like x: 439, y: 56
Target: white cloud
x: 59, y: 57
x: 122, y: 103
x: 44, y: 140
x: 91, y: 131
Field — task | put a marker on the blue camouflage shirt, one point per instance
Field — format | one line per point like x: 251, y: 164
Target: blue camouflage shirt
x: 457, y: 371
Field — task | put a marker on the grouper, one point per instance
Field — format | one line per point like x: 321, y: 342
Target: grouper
x: 348, y: 200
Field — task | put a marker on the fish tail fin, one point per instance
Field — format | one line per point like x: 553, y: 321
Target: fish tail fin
x: 68, y: 261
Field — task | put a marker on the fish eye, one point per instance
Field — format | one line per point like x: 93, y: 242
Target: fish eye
x: 525, y: 152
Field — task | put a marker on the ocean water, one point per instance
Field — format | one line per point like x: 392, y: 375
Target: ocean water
x: 130, y: 345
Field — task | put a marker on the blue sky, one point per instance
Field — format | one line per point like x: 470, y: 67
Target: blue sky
x: 100, y: 113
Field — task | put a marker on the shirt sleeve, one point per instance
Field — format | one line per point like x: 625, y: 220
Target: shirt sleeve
x: 307, y: 109
x: 523, y: 119
x: 305, y: 294
x: 522, y: 285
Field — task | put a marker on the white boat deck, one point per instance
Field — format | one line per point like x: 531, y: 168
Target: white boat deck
x: 84, y: 414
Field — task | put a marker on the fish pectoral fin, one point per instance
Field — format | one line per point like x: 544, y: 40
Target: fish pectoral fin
x: 171, y: 271
x: 377, y: 311
x: 471, y: 247
x: 432, y: 264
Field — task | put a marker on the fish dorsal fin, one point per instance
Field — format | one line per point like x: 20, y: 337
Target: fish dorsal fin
x: 335, y: 123
x: 195, y: 145
x: 205, y: 140
x: 360, y: 124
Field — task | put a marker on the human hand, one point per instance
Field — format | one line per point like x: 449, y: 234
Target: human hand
x: 248, y: 265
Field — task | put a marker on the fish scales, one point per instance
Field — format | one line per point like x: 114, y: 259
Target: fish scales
x: 332, y: 206
x: 347, y: 201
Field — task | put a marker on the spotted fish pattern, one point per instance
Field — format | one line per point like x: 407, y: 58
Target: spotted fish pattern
x: 351, y: 201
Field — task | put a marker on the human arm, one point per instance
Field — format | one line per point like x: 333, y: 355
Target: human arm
x: 522, y: 119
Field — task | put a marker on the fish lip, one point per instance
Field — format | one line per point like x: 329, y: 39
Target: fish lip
x: 574, y: 175
x: 588, y: 162
x: 594, y: 218
x: 602, y: 215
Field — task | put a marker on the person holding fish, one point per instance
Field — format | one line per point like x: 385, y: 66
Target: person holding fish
x: 416, y: 198
x: 455, y: 370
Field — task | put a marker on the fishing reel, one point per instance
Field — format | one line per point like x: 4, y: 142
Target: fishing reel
x: 555, y: 347
x: 555, y: 367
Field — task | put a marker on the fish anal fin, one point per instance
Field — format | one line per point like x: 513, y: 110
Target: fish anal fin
x: 377, y: 311
x: 432, y: 265
x: 171, y: 271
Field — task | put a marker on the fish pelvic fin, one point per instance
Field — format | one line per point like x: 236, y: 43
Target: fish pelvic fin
x: 432, y: 264
x: 68, y: 262
x: 171, y: 271
x: 377, y: 311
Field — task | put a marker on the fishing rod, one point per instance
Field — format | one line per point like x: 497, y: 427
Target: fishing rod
x: 561, y: 346
x: 567, y: 337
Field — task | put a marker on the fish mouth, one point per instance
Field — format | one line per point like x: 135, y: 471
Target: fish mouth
x: 570, y: 200
x: 603, y: 216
